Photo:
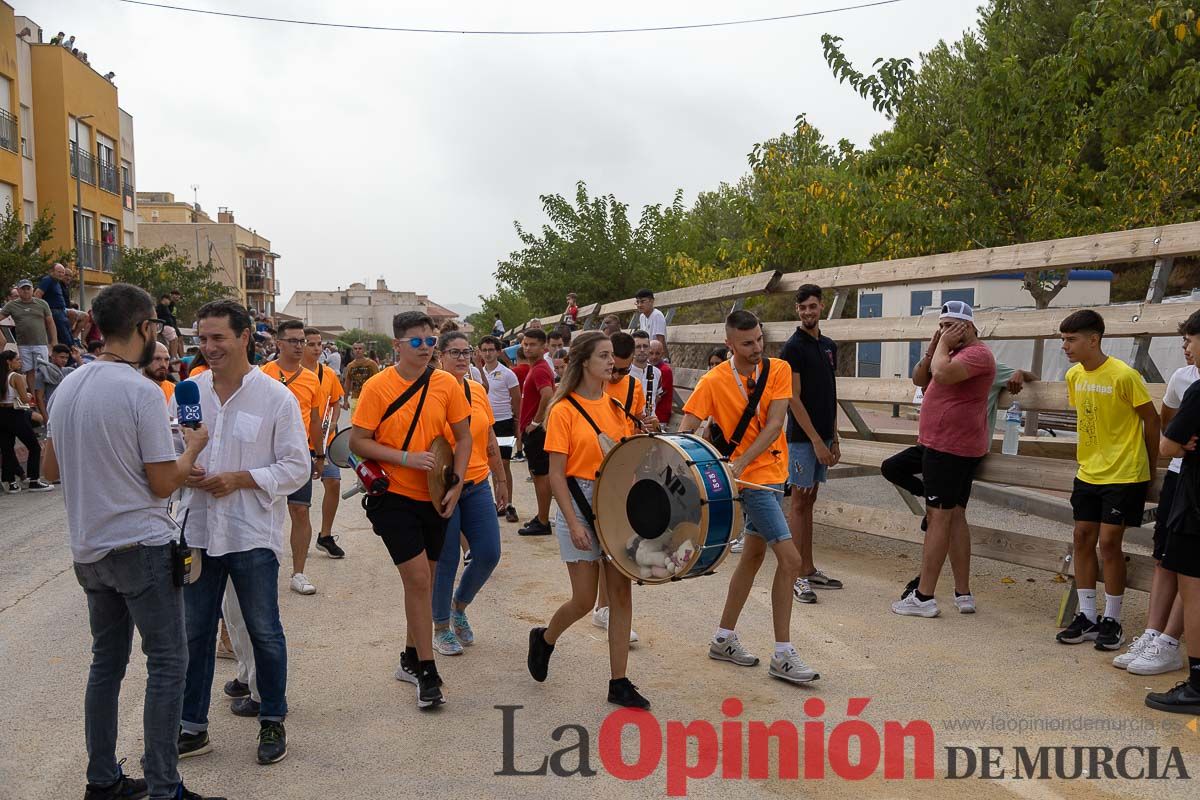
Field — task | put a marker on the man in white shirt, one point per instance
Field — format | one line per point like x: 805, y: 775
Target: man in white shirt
x: 122, y: 537
x: 257, y: 456
x: 650, y: 319
x: 557, y: 339
x: 333, y: 359
x: 504, y: 393
x: 646, y: 373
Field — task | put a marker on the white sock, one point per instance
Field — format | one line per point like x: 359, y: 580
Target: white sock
x: 724, y: 633
x: 782, y: 649
x: 1087, y: 603
x: 1169, y: 641
x: 1112, y: 605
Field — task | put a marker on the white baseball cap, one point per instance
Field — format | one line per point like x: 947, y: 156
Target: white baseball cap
x: 957, y: 309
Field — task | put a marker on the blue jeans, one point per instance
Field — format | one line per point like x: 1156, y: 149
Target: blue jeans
x: 255, y: 576
x: 764, y: 514
x: 127, y: 589
x: 62, y: 326
x: 475, y: 516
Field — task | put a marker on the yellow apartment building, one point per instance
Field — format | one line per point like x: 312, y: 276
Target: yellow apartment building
x: 11, y: 172
x: 243, y: 259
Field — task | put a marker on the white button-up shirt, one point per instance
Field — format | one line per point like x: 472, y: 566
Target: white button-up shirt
x: 257, y: 430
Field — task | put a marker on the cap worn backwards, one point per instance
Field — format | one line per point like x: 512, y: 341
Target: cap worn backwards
x: 957, y: 309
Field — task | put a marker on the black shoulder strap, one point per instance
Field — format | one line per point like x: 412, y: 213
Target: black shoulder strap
x: 751, y: 405
x: 420, y: 384
x: 629, y: 395
x: 321, y: 374
x: 467, y: 387
x: 571, y: 399
x: 581, y: 500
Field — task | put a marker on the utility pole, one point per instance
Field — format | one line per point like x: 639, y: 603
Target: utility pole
x: 196, y: 219
x: 79, y: 208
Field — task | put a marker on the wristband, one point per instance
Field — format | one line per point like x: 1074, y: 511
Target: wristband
x: 404, y: 458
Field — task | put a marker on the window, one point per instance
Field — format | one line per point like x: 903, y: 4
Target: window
x: 966, y: 295
x: 870, y: 306
x: 918, y: 302
x: 29, y: 213
x: 26, y: 132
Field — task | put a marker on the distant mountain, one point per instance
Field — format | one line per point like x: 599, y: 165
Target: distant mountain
x: 462, y: 309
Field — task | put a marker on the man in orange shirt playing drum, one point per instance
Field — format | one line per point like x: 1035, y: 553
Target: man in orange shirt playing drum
x: 746, y: 399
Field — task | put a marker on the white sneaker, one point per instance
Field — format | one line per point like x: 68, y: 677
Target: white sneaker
x: 965, y: 603
x: 738, y: 545
x: 302, y: 585
x: 1156, y: 659
x: 790, y: 668
x: 910, y: 606
x: 1138, y: 647
x: 600, y: 620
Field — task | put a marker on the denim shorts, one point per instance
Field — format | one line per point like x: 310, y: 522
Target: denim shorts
x: 763, y: 511
x: 566, y: 548
x: 804, y: 471
x: 303, y: 495
x: 330, y: 471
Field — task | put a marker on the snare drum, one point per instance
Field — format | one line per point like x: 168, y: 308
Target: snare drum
x: 666, y: 507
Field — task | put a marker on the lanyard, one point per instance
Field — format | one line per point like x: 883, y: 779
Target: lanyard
x: 296, y: 374
x: 738, y: 378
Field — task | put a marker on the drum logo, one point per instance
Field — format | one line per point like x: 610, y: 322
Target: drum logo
x: 673, y: 482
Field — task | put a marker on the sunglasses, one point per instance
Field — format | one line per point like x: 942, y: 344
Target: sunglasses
x: 620, y: 371
x: 415, y: 341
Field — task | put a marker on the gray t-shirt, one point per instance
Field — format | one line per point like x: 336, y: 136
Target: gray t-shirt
x: 31, y: 320
x: 107, y: 422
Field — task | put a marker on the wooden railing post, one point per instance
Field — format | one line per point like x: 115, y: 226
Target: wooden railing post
x: 1142, y: 361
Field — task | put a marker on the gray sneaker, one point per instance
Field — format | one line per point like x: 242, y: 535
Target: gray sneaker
x: 819, y: 580
x: 730, y: 649
x: 790, y: 668
x: 803, y: 592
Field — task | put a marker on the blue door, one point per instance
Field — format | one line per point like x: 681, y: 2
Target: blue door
x: 870, y: 306
x: 918, y: 302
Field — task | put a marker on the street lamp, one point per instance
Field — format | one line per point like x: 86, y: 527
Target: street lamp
x: 79, y: 207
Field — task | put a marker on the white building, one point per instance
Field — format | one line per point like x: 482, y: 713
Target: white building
x: 359, y: 307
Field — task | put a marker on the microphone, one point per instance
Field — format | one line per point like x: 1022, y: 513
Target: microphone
x: 187, y: 398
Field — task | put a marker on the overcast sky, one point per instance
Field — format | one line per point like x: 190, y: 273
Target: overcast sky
x: 406, y: 156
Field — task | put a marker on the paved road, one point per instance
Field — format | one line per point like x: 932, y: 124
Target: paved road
x: 354, y: 731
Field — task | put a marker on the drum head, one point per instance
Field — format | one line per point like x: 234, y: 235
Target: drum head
x: 649, y: 515
x: 443, y: 467
x: 339, y: 449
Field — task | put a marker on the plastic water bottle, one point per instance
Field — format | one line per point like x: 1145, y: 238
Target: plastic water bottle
x: 1012, y: 430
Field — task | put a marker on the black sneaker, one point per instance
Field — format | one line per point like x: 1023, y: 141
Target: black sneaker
x: 538, y: 659
x: 535, y: 528
x: 407, y: 671
x: 1110, y: 636
x: 1183, y: 699
x: 623, y: 693
x: 910, y: 587
x: 500, y: 512
x: 236, y: 689
x: 510, y: 514
x: 329, y: 545
x: 429, y: 687
x: 1081, y: 629
x: 125, y: 788
x: 185, y: 794
x: 245, y: 707
x: 272, y: 742
x: 193, y: 744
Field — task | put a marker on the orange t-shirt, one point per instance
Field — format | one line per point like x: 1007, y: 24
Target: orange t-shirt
x: 304, y: 387
x: 620, y: 391
x: 717, y: 396
x: 481, y: 425
x: 196, y: 370
x: 445, y: 404
x: 168, y: 390
x: 331, y: 394
x: 567, y: 432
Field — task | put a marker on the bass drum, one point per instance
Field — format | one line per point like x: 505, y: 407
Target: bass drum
x: 666, y: 507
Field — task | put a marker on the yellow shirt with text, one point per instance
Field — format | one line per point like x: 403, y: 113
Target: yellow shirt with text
x: 1112, y: 445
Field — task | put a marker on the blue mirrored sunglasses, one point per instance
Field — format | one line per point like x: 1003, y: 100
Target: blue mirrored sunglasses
x: 415, y: 341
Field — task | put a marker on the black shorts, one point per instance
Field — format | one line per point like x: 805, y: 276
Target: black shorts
x: 1166, y: 495
x: 408, y: 527
x: 535, y: 452
x: 1109, y: 503
x: 1181, y: 554
x: 947, y: 478
x: 505, y: 427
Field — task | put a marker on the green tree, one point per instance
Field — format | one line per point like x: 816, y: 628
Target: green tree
x: 162, y: 269
x: 25, y: 255
x: 381, y: 344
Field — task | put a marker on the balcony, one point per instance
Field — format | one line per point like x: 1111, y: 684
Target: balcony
x: 254, y: 266
x: 128, y: 195
x: 10, y: 135
x: 83, y: 165
x: 94, y: 255
x: 109, y: 180
x: 261, y: 284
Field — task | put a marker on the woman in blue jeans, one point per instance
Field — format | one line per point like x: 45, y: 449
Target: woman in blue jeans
x: 475, y: 516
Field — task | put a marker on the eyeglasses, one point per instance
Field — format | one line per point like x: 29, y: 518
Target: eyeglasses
x: 620, y: 371
x: 157, y: 323
x: 459, y: 353
x: 292, y: 342
x: 415, y: 341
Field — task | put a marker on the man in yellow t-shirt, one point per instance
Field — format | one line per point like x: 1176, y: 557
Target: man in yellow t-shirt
x: 1117, y: 451
x: 302, y: 383
x: 330, y: 410
x: 759, y: 456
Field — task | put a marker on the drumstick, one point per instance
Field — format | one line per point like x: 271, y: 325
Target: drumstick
x: 750, y: 485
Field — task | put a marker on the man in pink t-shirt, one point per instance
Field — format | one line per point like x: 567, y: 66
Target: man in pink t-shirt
x: 953, y: 436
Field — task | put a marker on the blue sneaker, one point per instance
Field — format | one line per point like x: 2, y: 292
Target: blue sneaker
x: 462, y: 628
x: 446, y: 643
